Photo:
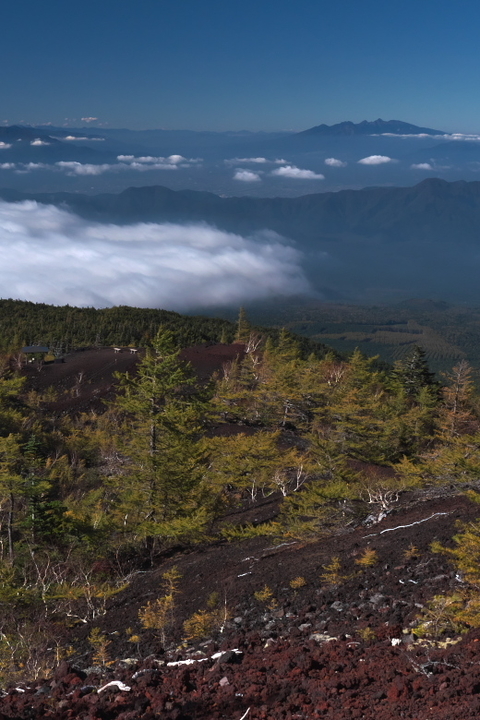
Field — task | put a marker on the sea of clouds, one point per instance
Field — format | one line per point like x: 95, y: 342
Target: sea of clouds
x: 51, y: 255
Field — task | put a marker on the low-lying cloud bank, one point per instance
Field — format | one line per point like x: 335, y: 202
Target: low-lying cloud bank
x: 149, y: 162
x: 126, y: 162
x: 53, y: 256
x: 467, y: 137
x: 76, y: 138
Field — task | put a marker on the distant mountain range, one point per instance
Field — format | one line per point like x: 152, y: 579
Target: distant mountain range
x: 15, y: 133
x: 352, y: 155
x: 434, y: 211
x: 25, y: 144
x: 375, y: 127
x: 372, y: 245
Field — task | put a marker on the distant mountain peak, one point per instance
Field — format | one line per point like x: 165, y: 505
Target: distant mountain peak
x: 23, y: 132
x: 374, y: 127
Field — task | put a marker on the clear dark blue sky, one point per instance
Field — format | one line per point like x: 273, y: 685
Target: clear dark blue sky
x: 240, y: 64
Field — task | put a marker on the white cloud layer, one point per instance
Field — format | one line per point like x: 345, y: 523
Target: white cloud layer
x: 409, y: 135
x: 246, y: 176
x: 446, y: 136
x: 28, y: 167
x: 421, y: 166
x: 129, y: 162
x: 73, y: 137
x: 334, y: 162
x: 39, y: 142
x: 375, y: 160
x: 4, y: 145
x: 76, y: 168
x: 254, y: 161
x: 53, y: 256
x: 291, y: 171
x: 149, y: 162
x: 462, y: 136
x: 89, y: 119
x: 246, y: 161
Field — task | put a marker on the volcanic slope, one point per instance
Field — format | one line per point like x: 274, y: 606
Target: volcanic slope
x: 319, y: 650
x: 299, y: 637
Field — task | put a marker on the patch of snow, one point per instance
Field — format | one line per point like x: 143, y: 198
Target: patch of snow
x: 215, y: 656
x: 190, y: 661
x: 117, y: 683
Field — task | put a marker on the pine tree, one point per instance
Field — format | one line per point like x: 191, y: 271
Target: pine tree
x: 353, y: 411
x: 458, y: 413
x: 164, y: 408
x: 453, y: 453
x: 414, y: 373
x: 243, y: 327
x: 284, y: 389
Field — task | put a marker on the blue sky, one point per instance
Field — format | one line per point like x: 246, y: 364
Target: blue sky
x: 231, y: 65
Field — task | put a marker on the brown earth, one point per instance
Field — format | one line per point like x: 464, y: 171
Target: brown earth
x: 86, y: 378
x: 318, y: 651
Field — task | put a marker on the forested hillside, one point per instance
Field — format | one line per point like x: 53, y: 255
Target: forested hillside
x: 88, y: 498
x: 65, y: 328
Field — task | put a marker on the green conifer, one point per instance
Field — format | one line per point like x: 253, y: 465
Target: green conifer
x: 164, y: 410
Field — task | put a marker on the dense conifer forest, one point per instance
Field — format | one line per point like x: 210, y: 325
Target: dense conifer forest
x: 88, y: 498
x: 65, y: 328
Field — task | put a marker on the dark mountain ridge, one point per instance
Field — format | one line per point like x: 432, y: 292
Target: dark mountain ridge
x: 19, y: 132
x: 432, y: 211
x: 366, y: 127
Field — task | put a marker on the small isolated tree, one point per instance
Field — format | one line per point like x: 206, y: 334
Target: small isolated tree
x: 159, y: 614
x: 243, y: 327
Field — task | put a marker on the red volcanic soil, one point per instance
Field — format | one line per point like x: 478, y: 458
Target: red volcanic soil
x: 340, y: 651
x: 86, y: 378
x: 296, y: 678
x: 207, y: 359
x: 83, y: 380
